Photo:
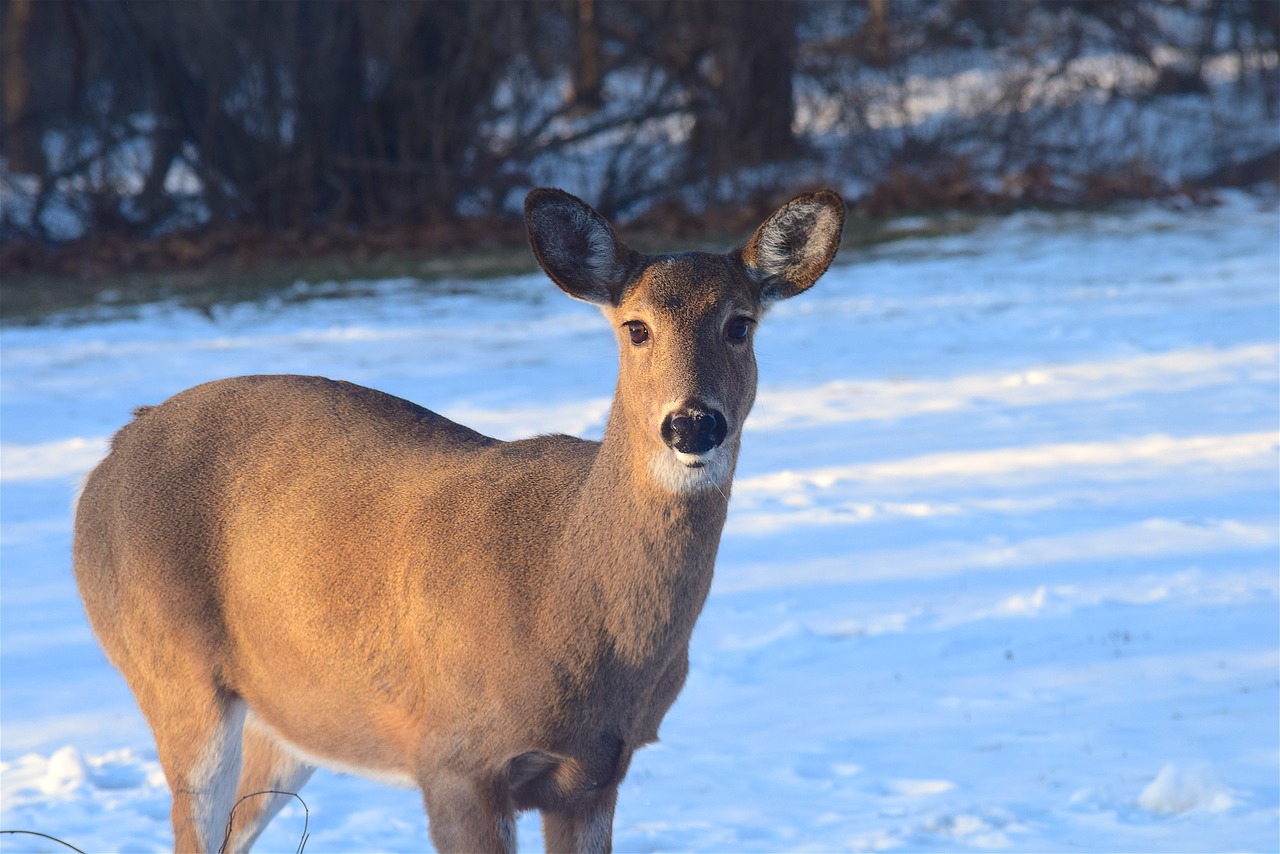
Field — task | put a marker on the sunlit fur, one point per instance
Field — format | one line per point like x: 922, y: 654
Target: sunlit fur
x: 501, y: 624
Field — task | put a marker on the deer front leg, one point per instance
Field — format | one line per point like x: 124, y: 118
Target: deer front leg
x: 468, y: 815
x: 586, y: 827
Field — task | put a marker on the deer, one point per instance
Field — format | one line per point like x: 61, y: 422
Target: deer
x: 292, y: 571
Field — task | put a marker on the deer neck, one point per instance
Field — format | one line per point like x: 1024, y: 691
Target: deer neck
x: 642, y: 553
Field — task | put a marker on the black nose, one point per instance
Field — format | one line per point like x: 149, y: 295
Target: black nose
x: 693, y: 430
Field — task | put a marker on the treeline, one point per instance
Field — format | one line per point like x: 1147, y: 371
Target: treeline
x: 142, y: 117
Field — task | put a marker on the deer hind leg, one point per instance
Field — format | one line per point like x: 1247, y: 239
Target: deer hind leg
x: 585, y: 827
x: 198, y: 738
x: 268, y: 766
x: 466, y: 814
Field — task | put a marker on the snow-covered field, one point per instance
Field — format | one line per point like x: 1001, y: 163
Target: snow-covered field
x: 1001, y: 570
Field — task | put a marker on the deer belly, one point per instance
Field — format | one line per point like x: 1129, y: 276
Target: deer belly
x: 344, y: 759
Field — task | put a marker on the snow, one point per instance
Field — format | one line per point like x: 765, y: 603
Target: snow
x: 1177, y: 789
x: 1000, y: 571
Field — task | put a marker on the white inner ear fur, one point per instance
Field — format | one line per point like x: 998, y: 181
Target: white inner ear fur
x: 800, y: 235
x: 602, y: 250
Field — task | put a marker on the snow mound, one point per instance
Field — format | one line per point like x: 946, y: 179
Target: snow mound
x: 63, y: 773
x: 1181, y: 788
x: 968, y: 830
x: 916, y: 788
x: 67, y: 772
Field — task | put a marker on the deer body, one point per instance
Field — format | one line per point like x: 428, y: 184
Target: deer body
x: 292, y: 571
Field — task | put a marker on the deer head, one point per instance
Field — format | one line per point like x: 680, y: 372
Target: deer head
x: 685, y: 322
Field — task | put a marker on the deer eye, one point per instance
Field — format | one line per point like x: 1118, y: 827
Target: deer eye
x: 737, y: 329
x: 639, y: 332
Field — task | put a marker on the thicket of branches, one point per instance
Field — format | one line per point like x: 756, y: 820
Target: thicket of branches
x: 141, y: 118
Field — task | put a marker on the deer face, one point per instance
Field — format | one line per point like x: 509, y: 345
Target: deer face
x: 687, y: 373
x: 685, y: 323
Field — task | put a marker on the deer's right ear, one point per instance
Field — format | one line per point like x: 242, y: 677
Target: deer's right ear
x: 576, y: 247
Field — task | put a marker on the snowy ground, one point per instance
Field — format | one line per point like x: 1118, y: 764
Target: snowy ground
x: 1000, y: 572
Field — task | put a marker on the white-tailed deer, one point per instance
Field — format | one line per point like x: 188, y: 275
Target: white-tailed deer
x: 292, y: 571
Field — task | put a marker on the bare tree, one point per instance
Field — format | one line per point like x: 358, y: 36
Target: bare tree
x: 290, y: 116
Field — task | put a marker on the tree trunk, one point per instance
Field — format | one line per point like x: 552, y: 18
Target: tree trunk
x: 588, y: 71
x: 22, y: 143
x: 746, y: 119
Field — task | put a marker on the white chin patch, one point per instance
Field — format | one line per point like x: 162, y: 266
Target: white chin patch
x: 680, y: 473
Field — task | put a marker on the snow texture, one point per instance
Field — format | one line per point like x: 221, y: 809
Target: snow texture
x: 1000, y: 571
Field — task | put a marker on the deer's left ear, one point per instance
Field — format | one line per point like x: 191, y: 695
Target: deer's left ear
x: 795, y: 245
